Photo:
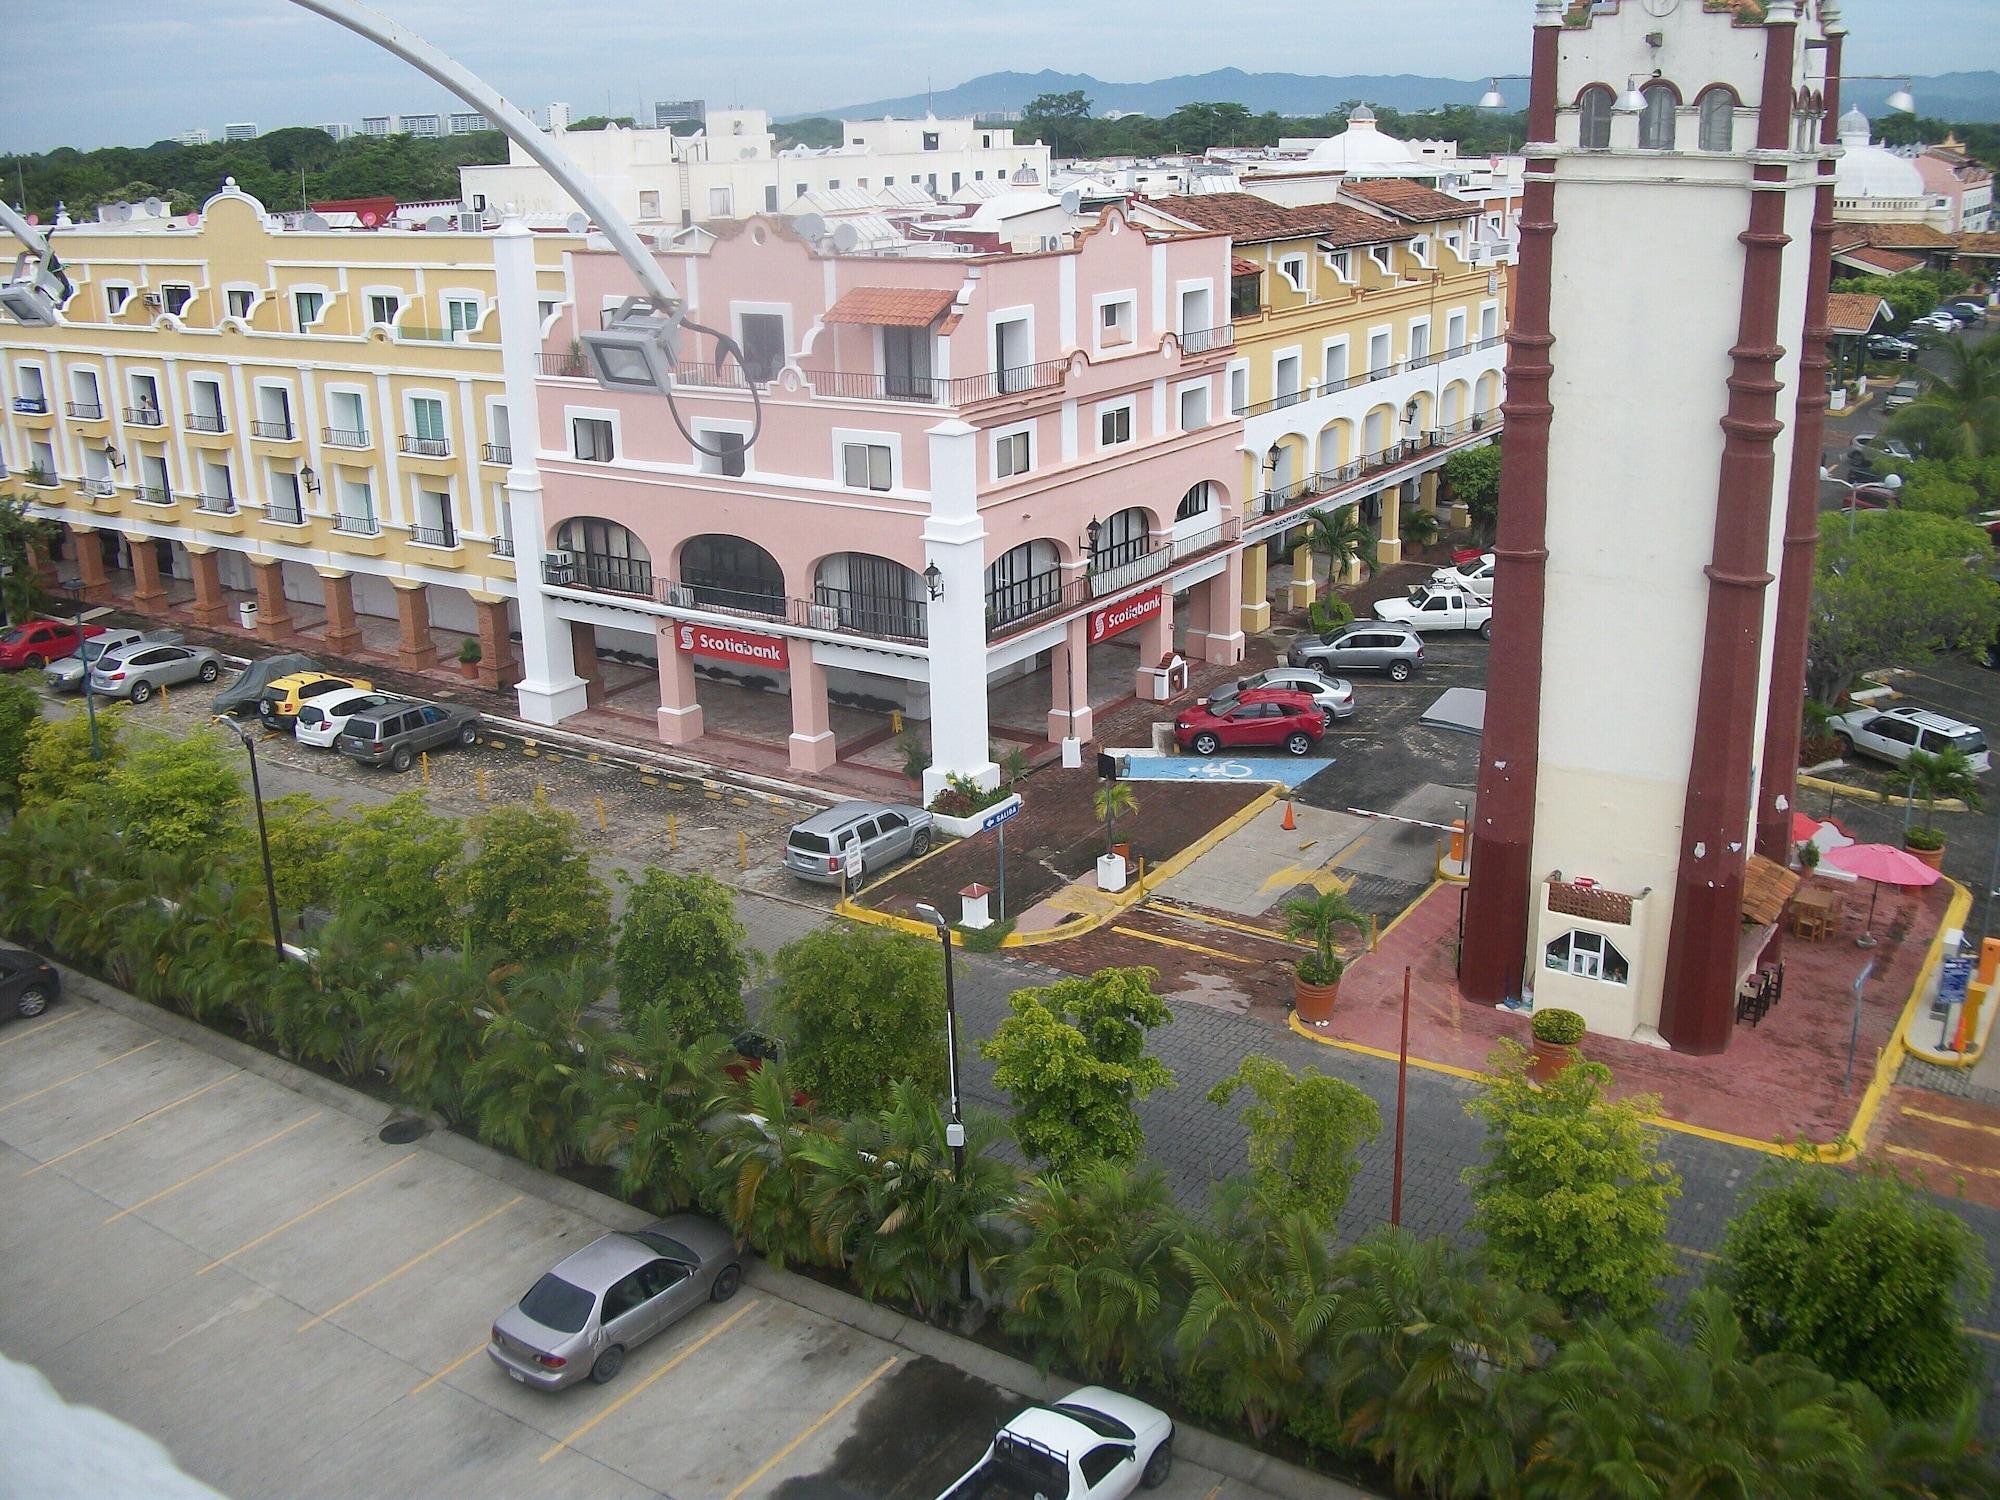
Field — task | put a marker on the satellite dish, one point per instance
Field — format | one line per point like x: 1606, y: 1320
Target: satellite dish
x: 313, y: 221
x: 812, y: 226
x: 153, y: 207
x: 1072, y: 200
x: 369, y: 218
x: 121, y: 213
x: 846, y: 237
x: 437, y: 224
x: 577, y: 223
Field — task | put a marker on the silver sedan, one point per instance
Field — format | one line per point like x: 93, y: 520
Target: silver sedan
x: 1332, y: 696
x: 582, y: 1318
x: 138, y: 671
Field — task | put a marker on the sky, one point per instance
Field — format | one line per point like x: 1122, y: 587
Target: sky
x: 129, y: 72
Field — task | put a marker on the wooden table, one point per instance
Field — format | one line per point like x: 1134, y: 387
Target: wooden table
x: 1815, y: 913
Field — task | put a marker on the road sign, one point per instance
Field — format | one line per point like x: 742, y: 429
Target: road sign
x: 1002, y: 814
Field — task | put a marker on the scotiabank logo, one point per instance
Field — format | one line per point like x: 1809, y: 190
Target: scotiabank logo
x: 737, y: 645
x: 1116, y: 619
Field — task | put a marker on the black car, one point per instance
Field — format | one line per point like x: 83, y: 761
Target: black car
x: 29, y: 984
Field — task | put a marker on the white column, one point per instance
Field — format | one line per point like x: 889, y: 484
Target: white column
x: 955, y: 542
x: 549, y: 689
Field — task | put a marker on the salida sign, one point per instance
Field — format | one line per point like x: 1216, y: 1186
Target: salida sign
x: 1116, y: 619
x: 735, y: 645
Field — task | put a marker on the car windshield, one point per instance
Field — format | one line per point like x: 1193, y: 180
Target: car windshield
x: 1419, y: 594
x: 16, y: 634
x: 94, y: 649
x: 554, y: 1303
x: 1222, y: 703
x: 1096, y: 1421
x: 274, y: 695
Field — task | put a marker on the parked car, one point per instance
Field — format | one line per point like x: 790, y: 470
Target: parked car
x: 1959, y: 312
x: 1094, y: 1444
x: 278, y: 705
x: 1332, y: 696
x: 1872, y: 497
x: 1969, y: 312
x: 1393, y: 649
x: 66, y: 675
x: 33, y: 644
x: 816, y: 849
x: 597, y: 1305
x: 1935, y: 324
x: 29, y: 983
x: 1892, y: 733
x: 1901, y: 394
x: 1871, y: 450
x: 1474, y: 575
x: 1430, y: 607
x: 1258, y: 719
x: 137, y: 670
x: 322, y: 719
x: 244, y: 694
x: 396, y: 733
x: 1888, y: 346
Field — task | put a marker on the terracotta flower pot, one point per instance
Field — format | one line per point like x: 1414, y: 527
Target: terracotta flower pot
x: 1313, y: 1002
x: 1932, y: 857
x: 469, y: 670
x: 1550, y: 1059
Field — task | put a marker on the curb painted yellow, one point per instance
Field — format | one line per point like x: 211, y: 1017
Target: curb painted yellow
x: 1863, y: 794
x: 1843, y: 1149
x: 1402, y: 915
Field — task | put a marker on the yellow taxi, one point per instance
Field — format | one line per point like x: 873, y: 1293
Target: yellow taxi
x: 278, y: 705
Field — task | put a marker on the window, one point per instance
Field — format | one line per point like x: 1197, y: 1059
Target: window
x: 427, y: 426
x: 1239, y: 390
x: 1384, y: 257
x: 1194, y: 408
x: 1114, y: 426
x: 1489, y: 322
x: 930, y: 140
x: 649, y: 204
x: 307, y: 306
x: 1012, y: 454
x: 350, y: 424
x: 865, y: 466
x: 728, y: 459
x: 1656, y: 120
x: 1246, y: 295
x: 1285, y: 379
x: 206, y: 415
x: 833, y: 185
x: 1341, y: 263
x: 239, y: 300
x: 1588, y: 955
x: 174, y: 297
x: 1593, y: 118
x: 1098, y: 1463
x: 718, y: 203
x: 1420, y: 250
x: 1293, y: 269
x: 625, y: 1295
x: 1378, y: 351
x: 1333, y: 366
x: 357, y: 502
x: 607, y: 556
x: 383, y: 307
x: 116, y: 296
x: 1718, y: 119
x: 1454, y: 330
x: 1420, y: 339
x: 461, y: 315
x: 1023, y: 580
x: 591, y: 439
x: 770, y: 197
x: 1114, y: 322
x: 1121, y: 539
x: 285, y: 507
x: 763, y: 345
x: 1198, y: 501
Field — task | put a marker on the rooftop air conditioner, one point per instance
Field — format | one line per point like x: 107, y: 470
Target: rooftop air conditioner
x: 153, y: 301
x: 678, y: 595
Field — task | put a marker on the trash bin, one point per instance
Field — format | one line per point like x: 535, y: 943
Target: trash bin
x: 246, y: 615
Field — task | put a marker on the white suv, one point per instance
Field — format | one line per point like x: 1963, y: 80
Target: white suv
x: 1892, y: 733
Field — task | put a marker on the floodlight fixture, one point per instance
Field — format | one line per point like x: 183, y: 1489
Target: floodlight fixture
x: 1633, y: 100
x: 38, y: 286
x: 1492, y: 98
x: 638, y: 349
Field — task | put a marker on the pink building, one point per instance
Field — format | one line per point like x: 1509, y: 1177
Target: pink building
x: 974, y: 472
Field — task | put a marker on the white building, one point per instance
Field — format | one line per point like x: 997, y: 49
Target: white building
x: 193, y: 137
x: 243, y: 130
x: 427, y: 126
x: 1874, y: 185
x: 340, y: 130
x: 466, y: 121
x: 556, y: 117
x: 378, y: 124
x: 671, y: 112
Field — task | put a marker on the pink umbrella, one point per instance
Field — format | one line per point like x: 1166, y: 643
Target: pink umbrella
x: 1881, y: 864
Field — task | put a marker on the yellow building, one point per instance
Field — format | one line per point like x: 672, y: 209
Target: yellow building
x: 309, y: 417
x: 1369, y: 345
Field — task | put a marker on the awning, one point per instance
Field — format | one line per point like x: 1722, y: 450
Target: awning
x: 891, y: 307
x: 1238, y: 266
x: 1767, y: 886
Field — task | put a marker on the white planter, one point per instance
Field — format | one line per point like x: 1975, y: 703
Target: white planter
x: 965, y: 828
x: 1110, y: 872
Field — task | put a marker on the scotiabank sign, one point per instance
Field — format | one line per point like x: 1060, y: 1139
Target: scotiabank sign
x: 750, y: 646
x: 1116, y: 619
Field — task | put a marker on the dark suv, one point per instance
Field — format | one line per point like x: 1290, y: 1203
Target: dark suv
x: 394, y: 734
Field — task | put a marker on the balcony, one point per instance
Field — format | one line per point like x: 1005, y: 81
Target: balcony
x: 1352, y: 382
x: 42, y: 479
x: 357, y: 525
x: 277, y: 432
x: 1313, y: 487
x: 144, y: 416
x: 566, y: 366
x: 87, y: 411
x: 503, y: 546
x: 427, y: 447
x: 496, y: 453
x: 152, y: 494
x: 31, y: 406
x: 216, y: 505
x: 280, y: 513
x: 1203, y: 340
x: 345, y: 437
x: 97, y: 489
x: 434, y: 536
x: 206, y: 421
x: 964, y: 390
x: 1039, y: 599
x: 839, y: 611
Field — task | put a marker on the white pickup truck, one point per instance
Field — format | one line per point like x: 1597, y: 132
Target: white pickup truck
x: 1092, y: 1445
x: 1431, y: 607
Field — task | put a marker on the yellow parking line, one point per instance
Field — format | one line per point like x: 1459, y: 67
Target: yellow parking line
x: 411, y: 1264
x: 451, y: 1369
x: 299, y: 1218
x: 1985, y: 1333
x: 51, y: 1087
x: 1155, y: 937
x: 685, y: 1354
x: 1697, y: 1254
x: 214, y: 1166
x: 1924, y: 1114
x: 1942, y: 1161
x: 151, y: 1114
x: 1168, y: 908
x: 22, y: 1036
x: 786, y: 1452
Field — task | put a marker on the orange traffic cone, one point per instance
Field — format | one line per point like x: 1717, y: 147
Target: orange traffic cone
x: 1290, y: 822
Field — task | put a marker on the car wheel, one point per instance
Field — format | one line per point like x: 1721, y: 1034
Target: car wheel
x: 400, y: 758
x: 609, y: 1363
x: 34, y: 1000
x: 1486, y: 630
x: 1299, y: 743
x: 1399, y: 671
x: 469, y: 735
x: 1160, y: 1465
x: 1846, y: 746
x: 727, y: 1280
x: 141, y: 691
x: 35, y: 662
x: 920, y: 843
x: 210, y: 671
x: 1206, y: 744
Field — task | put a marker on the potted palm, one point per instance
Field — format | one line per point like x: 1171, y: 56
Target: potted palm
x: 469, y: 656
x: 1316, y: 977
x: 1420, y: 528
x: 1113, y: 799
x: 1555, y: 1033
x: 1947, y: 774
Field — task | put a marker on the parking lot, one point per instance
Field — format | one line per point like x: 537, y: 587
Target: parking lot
x: 297, y: 1308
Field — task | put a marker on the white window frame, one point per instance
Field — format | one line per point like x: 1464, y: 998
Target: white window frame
x: 1341, y: 263
x: 344, y: 478
x: 1484, y: 309
x: 499, y: 415
x: 410, y: 400
x: 572, y: 414
x: 221, y: 397
x: 1422, y: 322
x: 1007, y: 435
x: 1387, y: 335
x: 1586, y: 966
x: 1459, y: 319
x: 728, y: 209
x: 1384, y: 257
x: 461, y: 294
x: 1420, y: 250
x: 708, y: 429
x: 360, y: 392
x: 1128, y: 405
x: 1025, y: 316
x: 1292, y: 266
x: 1182, y: 290
x: 847, y: 437
x: 1327, y: 350
x: 299, y: 325
x: 1202, y: 388
x: 164, y: 287
x: 230, y: 288
x: 261, y: 384
x: 1454, y: 241
x: 133, y: 376
x: 1126, y: 303
x: 76, y: 372
x: 370, y: 293
x: 1297, y: 357
x: 126, y: 287
x: 446, y: 485
x: 1238, y: 374
x: 779, y: 310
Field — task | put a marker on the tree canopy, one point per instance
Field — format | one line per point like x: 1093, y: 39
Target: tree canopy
x: 1064, y: 123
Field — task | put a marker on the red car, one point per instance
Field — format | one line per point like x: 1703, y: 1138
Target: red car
x: 1258, y: 718
x: 39, y: 642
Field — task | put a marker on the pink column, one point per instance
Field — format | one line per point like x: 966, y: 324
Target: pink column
x: 812, y: 721
x: 1156, y: 640
x: 1222, y: 596
x: 680, y: 710
x: 1069, y: 683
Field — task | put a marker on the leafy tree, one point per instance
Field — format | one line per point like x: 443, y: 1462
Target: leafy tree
x: 1092, y: 1279
x: 56, y: 763
x: 1472, y: 477
x: 1111, y: 801
x: 1948, y: 773
x: 306, y: 834
x: 1861, y: 1273
x: 326, y: 1011
x: 211, y: 955
x: 1420, y: 527
x: 862, y: 1007
x: 24, y: 538
x: 681, y: 951
x: 402, y: 861
x: 528, y: 887
x: 1906, y: 587
x: 661, y: 1100
x: 1066, y: 108
x: 539, y: 1078
x: 1909, y: 296
x: 1958, y: 414
x: 1572, y: 1197
x: 1937, y: 494
x: 1073, y: 1057
x: 763, y: 1171
x: 177, y: 795
x: 427, y: 1029
x: 1304, y: 1132
x: 20, y: 710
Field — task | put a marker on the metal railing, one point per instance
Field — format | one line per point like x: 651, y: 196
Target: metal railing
x: 1201, y: 340
x: 42, y: 478
x: 216, y: 505
x: 357, y: 525
x: 31, y: 406
x: 1335, y: 387
x: 1109, y: 580
x: 568, y: 366
x: 87, y: 411
x: 428, y: 447
x: 407, y: 335
x: 434, y: 536
x: 722, y: 375
x: 841, y: 611
x: 1023, y: 598
x: 281, y: 514
x: 280, y: 431
x: 1153, y: 558
x: 859, y: 385
x: 1324, y: 482
x: 496, y: 453
x: 205, y: 421
x: 152, y: 494
x: 144, y: 416
x: 344, y: 437
x: 503, y: 546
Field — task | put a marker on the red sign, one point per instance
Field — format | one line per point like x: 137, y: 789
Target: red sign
x: 749, y: 646
x: 1116, y: 619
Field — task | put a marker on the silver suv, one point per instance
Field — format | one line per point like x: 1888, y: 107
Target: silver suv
x: 817, y: 849
x: 1892, y: 733
x: 1362, y: 647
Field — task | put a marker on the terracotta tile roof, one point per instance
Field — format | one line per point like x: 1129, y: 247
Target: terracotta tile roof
x: 1238, y: 266
x: 1411, y: 201
x: 891, y: 306
x: 1767, y: 886
x: 1979, y: 244
x: 1902, y: 236
x: 1889, y: 262
x: 1249, y: 220
x: 1847, y: 236
x: 1852, y: 312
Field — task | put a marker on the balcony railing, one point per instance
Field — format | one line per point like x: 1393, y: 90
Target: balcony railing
x: 46, y: 479
x: 281, y: 514
x: 98, y: 489
x: 428, y: 447
x: 496, y: 453
x: 1201, y: 340
x: 87, y: 411
x: 31, y: 406
x: 1283, y: 497
x: 344, y: 437
x: 503, y: 546
x: 434, y: 536
x: 568, y: 366
x: 1136, y: 562
x: 278, y: 431
x: 357, y: 525
x: 1334, y: 387
x: 216, y: 505
x: 843, y: 611
x: 144, y: 416
x: 1023, y: 598
x: 205, y: 421
x: 152, y: 494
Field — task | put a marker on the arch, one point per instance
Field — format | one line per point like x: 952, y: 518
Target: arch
x: 1660, y: 117
x: 1718, y: 105
x: 1023, y: 580
x: 1336, y: 444
x: 1455, y: 397
x: 1593, y: 117
x: 1198, y: 500
x: 728, y: 572
x: 1121, y: 537
x: 1488, y: 398
x: 871, y: 594
x: 1418, y: 414
x: 1379, y: 429
x: 608, y: 556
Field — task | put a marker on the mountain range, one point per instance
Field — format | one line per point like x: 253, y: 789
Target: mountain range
x: 1946, y: 96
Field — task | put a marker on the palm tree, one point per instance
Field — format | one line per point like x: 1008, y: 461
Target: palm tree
x: 325, y: 1011
x: 427, y: 1030
x: 1421, y: 527
x: 1948, y: 773
x: 1113, y: 800
x: 1319, y: 920
x: 661, y: 1099
x: 539, y: 1077
x: 1341, y: 539
x: 1924, y: 1460
x: 762, y: 1172
x: 1958, y: 415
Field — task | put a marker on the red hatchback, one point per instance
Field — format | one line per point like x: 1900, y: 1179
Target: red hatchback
x: 38, y: 642
x: 1259, y: 718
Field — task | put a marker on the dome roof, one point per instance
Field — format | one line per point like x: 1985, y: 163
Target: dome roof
x: 1362, y: 148
x: 1867, y: 171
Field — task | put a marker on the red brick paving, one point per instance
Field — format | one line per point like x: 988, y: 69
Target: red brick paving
x: 1953, y: 1143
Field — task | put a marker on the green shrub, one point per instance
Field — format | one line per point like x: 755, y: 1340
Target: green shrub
x: 681, y: 953
x: 1557, y: 1027
x: 1330, y: 613
x: 862, y: 1007
x: 529, y: 889
x: 1920, y: 837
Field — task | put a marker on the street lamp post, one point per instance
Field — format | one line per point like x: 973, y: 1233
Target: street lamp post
x: 954, y: 1130
x: 263, y: 834
x: 73, y: 586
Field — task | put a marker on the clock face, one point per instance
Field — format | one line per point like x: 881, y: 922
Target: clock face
x: 1661, y: 8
